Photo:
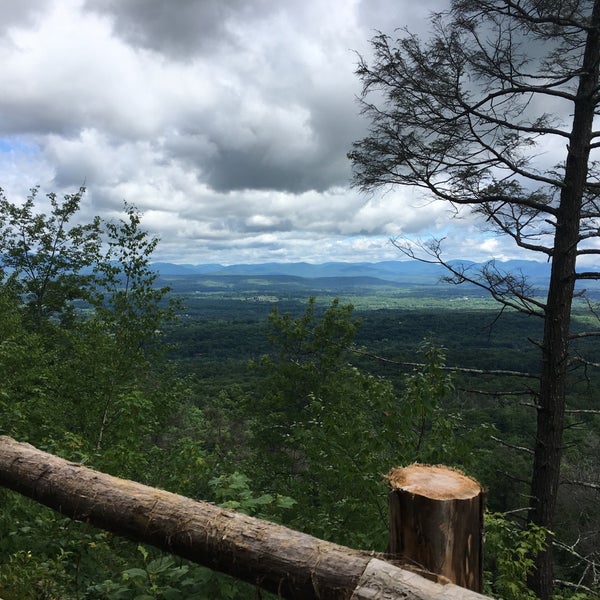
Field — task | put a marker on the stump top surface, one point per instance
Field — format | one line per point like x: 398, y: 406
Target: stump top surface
x: 434, y: 482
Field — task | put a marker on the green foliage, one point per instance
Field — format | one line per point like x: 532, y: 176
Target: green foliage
x: 44, y: 555
x: 25, y: 367
x: 310, y: 340
x: 570, y: 594
x: 164, y: 577
x: 304, y: 437
x: 159, y: 578
x: 25, y: 576
x: 328, y: 431
x: 233, y: 492
x: 509, y: 552
x: 93, y: 364
x: 426, y: 430
x: 82, y: 376
x: 46, y: 256
x: 312, y: 422
x: 181, y: 462
x: 127, y: 301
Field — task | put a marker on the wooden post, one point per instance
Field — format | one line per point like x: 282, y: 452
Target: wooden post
x: 289, y: 563
x: 436, y: 522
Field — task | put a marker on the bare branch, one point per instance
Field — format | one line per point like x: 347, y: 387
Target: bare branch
x: 583, y: 361
x: 588, y: 274
x: 465, y: 370
x: 497, y: 394
x: 584, y: 334
x: 512, y: 446
x: 585, y: 484
x: 510, y: 290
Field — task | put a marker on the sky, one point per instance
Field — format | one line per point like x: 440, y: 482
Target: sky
x: 225, y: 122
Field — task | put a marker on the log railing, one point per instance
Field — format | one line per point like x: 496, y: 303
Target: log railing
x: 275, y: 558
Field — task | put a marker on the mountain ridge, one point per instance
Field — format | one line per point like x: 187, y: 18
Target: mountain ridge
x: 535, y: 271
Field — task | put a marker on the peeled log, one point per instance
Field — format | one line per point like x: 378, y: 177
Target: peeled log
x: 286, y: 562
x: 436, y: 522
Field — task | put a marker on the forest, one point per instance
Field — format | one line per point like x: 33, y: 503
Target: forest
x: 284, y: 400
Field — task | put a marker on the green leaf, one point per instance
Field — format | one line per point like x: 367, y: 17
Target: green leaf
x: 135, y: 573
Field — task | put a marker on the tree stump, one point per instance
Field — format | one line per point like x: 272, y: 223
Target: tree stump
x: 436, y: 522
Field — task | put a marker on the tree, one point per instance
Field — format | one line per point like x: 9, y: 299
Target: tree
x: 24, y: 362
x: 46, y: 267
x: 325, y: 431
x: 45, y: 256
x: 132, y: 309
x: 85, y: 310
x: 463, y: 117
x: 318, y: 427
x: 128, y: 300
x: 83, y: 375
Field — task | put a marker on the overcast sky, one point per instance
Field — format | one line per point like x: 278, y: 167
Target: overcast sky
x: 226, y: 122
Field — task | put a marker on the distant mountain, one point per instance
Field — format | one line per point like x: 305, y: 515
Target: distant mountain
x: 165, y: 268
x: 393, y: 271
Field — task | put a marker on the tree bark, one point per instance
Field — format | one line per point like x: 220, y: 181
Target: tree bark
x: 553, y: 384
x: 286, y: 562
x: 436, y: 522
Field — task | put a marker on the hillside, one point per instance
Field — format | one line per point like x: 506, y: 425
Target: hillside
x: 389, y: 271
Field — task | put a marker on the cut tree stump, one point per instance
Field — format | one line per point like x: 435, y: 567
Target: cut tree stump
x: 436, y: 522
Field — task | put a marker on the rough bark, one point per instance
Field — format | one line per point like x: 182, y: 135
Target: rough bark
x: 287, y: 562
x: 553, y: 385
x: 436, y: 522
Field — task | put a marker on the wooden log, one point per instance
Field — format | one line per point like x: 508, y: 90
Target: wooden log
x: 286, y: 562
x: 436, y: 522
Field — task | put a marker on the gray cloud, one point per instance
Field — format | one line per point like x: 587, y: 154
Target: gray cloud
x: 21, y: 13
x: 179, y: 30
x: 226, y: 123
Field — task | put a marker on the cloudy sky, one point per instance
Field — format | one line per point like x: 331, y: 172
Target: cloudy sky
x: 226, y: 122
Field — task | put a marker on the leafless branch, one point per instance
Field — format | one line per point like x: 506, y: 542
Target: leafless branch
x: 507, y: 289
x: 519, y: 448
x: 585, y: 484
x: 465, y: 370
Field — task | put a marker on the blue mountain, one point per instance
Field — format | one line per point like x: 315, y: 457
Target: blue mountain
x: 394, y: 271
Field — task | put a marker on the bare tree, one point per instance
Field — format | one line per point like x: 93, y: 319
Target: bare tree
x: 495, y: 112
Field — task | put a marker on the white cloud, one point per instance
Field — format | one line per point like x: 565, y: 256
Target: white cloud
x: 226, y: 123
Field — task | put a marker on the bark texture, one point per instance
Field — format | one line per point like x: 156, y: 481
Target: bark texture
x: 436, y: 522
x: 287, y: 562
x: 555, y: 347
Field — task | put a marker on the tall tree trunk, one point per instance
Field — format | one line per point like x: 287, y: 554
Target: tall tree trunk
x: 555, y: 352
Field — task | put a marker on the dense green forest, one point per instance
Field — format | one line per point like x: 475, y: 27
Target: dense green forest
x: 277, y: 397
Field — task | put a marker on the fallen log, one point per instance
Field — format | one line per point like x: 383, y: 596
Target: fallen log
x: 286, y: 562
